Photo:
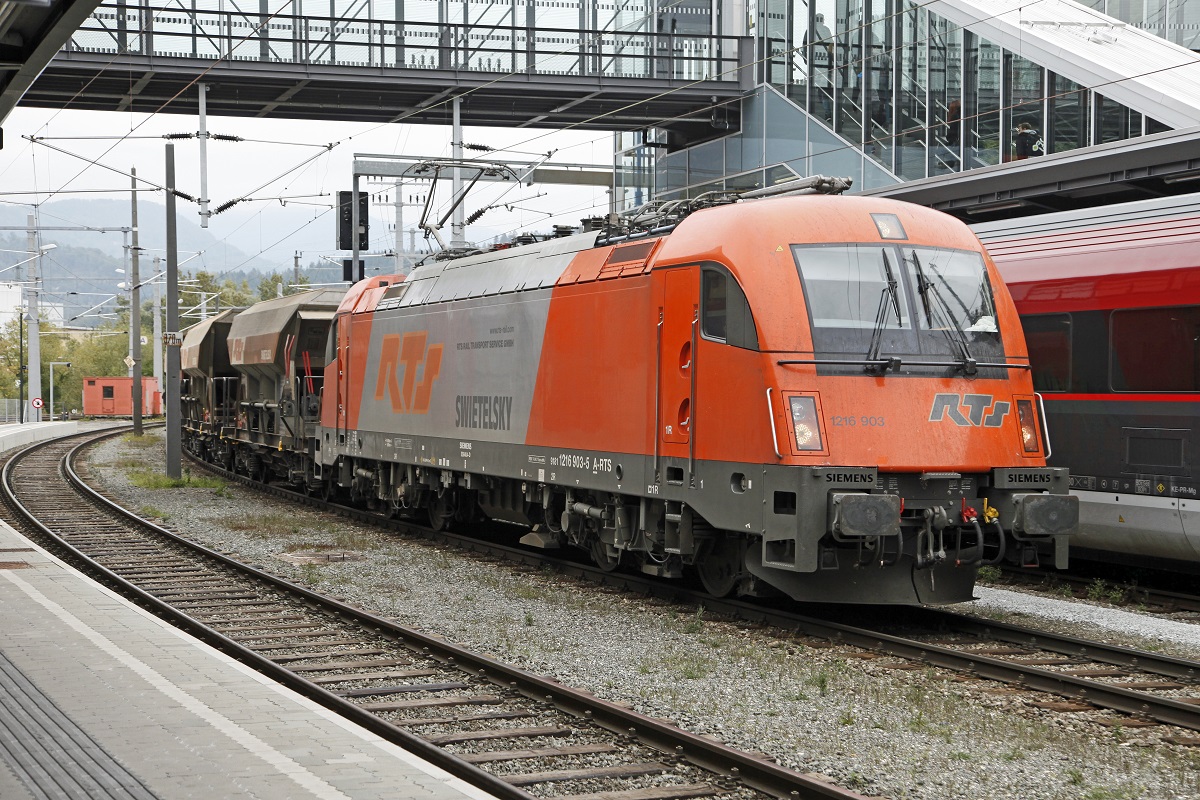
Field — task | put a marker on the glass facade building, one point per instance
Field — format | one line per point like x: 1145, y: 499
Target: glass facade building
x: 886, y: 91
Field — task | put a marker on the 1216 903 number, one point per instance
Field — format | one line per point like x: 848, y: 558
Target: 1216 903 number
x: 858, y: 422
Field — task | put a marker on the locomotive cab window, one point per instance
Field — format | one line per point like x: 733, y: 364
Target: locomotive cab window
x: 724, y: 311
x: 898, y: 300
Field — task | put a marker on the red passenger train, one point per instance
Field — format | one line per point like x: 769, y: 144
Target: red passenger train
x: 1110, y: 302
x: 822, y: 396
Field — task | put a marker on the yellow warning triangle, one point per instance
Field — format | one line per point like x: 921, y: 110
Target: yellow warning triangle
x: 779, y: 249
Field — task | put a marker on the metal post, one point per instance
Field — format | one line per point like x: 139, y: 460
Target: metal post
x: 400, y: 260
x: 158, y: 355
x: 295, y: 269
x: 135, y: 310
x: 21, y: 360
x: 458, y: 225
x: 34, y: 377
x: 174, y: 451
x: 203, y: 136
x: 355, y: 255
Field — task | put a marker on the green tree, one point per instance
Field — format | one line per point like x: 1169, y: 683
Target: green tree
x: 91, y: 354
x: 97, y: 354
x: 207, y: 289
x: 268, y: 287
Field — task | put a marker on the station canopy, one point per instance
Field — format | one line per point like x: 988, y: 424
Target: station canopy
x: 1121, y: 62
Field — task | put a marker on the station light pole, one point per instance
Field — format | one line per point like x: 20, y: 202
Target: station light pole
x: 21, y: 364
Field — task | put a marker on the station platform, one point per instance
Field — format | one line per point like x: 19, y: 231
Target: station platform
x: 100, y: 699
x: 19, y: 434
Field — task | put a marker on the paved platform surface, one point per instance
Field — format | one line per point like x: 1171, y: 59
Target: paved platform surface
x: 100, y: 699
x: 16, y: 434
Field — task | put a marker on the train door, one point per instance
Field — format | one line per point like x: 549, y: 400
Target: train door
x: 678, y: 310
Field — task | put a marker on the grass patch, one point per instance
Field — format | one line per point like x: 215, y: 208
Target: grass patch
x: 1114, y: 793
x: 347, y: 539
x: 696, y: 623
x: 129, y: 463
x: 150, y: 512
x: 529, y: 591
x: 142, y: 442
x: 1101, y: 592
x: 145, y: 479
x: 686, y: 665
x: 819, y: 680
x: 268, y: 525
x: 989, y: 575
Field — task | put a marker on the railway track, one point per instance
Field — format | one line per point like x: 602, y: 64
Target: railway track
x: 508, y: 731
x: 1114, y: 686
x: 1151, y: 598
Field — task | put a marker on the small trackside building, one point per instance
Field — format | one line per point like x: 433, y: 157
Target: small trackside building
x: 113, y: 397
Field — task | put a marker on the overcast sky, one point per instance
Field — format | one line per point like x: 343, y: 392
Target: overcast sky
x: 266, y: 226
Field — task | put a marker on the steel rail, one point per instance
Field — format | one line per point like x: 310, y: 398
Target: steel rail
x: 1162, y: 709
x: 754, y: 771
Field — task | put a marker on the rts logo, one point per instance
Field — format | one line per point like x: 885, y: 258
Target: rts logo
x: 976, y: 407
x: 411, y: 353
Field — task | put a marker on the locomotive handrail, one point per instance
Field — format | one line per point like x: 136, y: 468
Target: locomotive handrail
x: 1042, y: 423
x: 771, y: 419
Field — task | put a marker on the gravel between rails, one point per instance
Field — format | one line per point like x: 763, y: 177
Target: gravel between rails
x: 888, y: 733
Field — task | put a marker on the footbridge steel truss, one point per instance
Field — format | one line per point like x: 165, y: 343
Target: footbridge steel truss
x: 515, y: 63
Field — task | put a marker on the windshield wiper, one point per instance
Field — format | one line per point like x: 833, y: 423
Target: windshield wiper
x: 950, y: 327
x: 888, y: 298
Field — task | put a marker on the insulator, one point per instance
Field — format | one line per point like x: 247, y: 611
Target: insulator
x: 481, y: 147
x: 179, y: 136
x: 227, y: 206
x: 474, y: 217
x: 183, y: 195
x: 226, y: 137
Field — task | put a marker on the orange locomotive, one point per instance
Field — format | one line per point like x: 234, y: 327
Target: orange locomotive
x: 827, y: 397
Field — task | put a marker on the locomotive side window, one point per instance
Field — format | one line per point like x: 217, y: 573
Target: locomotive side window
x: 331, y: 343
x: 725, y: 314
x: 1049, y: 339
x: 1156, y: 349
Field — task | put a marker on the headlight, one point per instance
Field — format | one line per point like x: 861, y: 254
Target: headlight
x: 1029, y: 431
x: 804, y: 423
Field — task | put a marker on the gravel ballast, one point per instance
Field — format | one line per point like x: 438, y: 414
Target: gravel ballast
x: 884, y: 732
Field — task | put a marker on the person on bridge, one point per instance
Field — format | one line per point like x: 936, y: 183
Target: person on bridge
x: 1027, y: 142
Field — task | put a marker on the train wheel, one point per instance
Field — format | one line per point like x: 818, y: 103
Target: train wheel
x: 441, y: 511
x: 721, y: 567
x: 600, y: 555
